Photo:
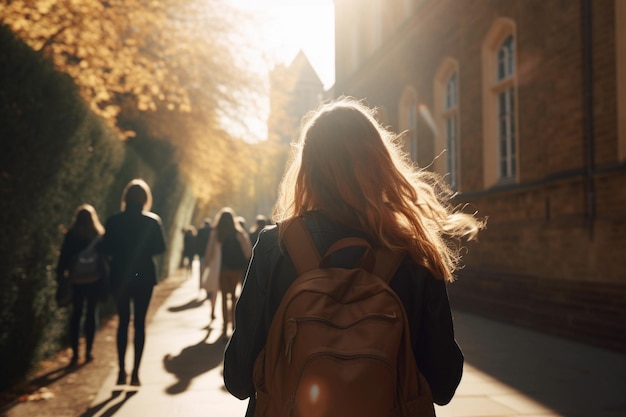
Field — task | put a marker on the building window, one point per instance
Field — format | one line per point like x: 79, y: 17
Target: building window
x: 412, y: 128
x: 500, y: 133
x: 408, y: 121
x: 447, y: 147
x: 505, y: 90
x: 451, y: 132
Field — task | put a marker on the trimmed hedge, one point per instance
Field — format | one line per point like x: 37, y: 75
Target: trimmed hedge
x: 54, y: 155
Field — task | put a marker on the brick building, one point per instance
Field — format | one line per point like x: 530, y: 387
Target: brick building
x: 522, y: 104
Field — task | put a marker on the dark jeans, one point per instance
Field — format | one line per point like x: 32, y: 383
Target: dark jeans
x: 84, y: 294
x: 139, y: 295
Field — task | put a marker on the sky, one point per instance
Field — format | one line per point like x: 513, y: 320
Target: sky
x: 287, y: 26
x: 279, y: 30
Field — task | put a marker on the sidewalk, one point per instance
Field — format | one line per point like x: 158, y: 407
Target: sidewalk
x: 181, y: 369
x: 509, y: 371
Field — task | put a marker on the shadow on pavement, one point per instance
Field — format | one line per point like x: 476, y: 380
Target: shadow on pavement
x: 188, y: 305
x: 193, y: 361
x: 563, y: 375
x: 54, y: 375
x: 113, y: 408
x: 42, y: 381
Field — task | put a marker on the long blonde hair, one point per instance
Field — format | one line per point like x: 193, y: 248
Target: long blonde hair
x: 354, y: 171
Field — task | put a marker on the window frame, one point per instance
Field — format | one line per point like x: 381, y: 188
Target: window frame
x: 447, y: 161
x: 407, y: 115
x: 494, y: 85
x: 504, y: 87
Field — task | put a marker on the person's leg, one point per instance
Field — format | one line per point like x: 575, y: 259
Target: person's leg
x: 141, y: 301
x: 122, y: 302
x: 224, y: 298
x: 189, y: 265
x: 228, y: 284
x: 91, y: 323
x: 202, y: 262
x: 213, y: 298
x: 77, y: 313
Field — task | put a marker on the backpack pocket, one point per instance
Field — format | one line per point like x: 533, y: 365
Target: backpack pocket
x: 422, y: 404
x: 333, y: 384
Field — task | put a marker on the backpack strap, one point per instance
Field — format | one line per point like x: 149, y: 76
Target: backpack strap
x: 387, y: 263
x: 300, y: 246
x: 305, y: 257
x: 92, y: 244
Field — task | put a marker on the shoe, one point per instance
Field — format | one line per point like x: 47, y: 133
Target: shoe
x: 134, y: 380
x: 121, y: 378
x: 74, y: 361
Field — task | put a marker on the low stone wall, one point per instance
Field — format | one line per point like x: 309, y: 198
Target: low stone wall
x: 591, y: 312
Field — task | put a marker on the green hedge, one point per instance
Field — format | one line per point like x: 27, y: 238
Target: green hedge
x: 54, y: 155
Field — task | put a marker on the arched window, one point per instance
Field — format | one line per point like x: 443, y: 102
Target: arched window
x: 408, y: 120
x: 499, y: 104
x: 446, y: 93
x: 504, y: 88
x: 451, y: 117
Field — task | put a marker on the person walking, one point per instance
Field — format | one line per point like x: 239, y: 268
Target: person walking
x: 132, y: 238
x: 259, y: 224
x: 331, y: 185
x: 189, y: 248
x: 202, y: 241
x: 85, y: 229
x: 228, y: 252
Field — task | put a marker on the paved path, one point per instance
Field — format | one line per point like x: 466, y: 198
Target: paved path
x: 509, y: 371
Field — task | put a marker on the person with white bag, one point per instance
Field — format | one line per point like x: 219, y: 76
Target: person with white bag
x: 228, y: 254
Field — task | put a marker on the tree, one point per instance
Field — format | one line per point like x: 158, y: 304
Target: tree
x: 176, y: 69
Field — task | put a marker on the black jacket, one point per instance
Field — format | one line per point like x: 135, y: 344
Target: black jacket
x: 72, y: 245
x: 131, y: 240
x: 271, y: 272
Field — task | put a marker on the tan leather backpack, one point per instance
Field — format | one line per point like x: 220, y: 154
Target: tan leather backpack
x: 339, y: 343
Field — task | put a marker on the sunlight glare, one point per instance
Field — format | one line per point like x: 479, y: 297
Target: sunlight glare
x: 314, y: 394
x: 286, y: 27
x: 279, y: 29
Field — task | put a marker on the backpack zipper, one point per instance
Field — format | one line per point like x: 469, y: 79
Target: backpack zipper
x: 292, y: 326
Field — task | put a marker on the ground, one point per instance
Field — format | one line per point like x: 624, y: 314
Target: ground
x: 58, y: 391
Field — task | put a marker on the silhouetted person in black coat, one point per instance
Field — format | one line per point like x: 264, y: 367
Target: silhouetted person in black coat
x: 189, y: 248
x: 202, y: 240
x: 261, y: 222
x: 132, y: 238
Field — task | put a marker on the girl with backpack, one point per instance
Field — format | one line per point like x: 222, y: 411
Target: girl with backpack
x: 349, y: 177
x: 83, y: 231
